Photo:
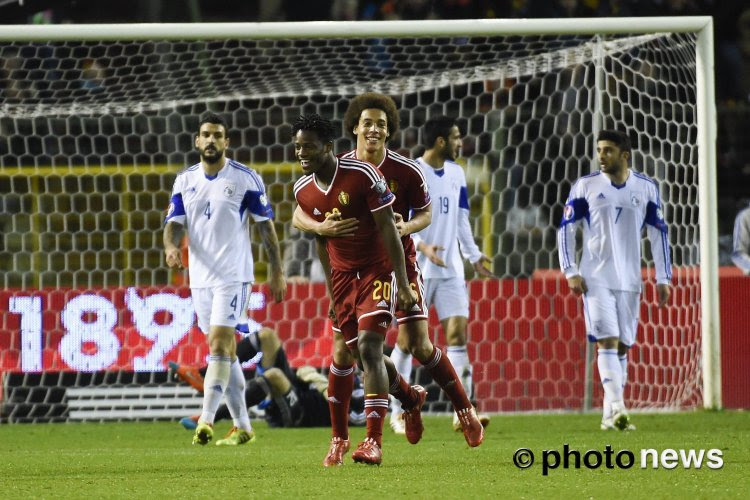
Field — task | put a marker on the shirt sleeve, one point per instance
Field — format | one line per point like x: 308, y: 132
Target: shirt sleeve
x: 576, y: 209
x: 658, y: 235
x: 176, y: 210
x: 256, y: 201
x: 378, y: 195
x: 466, y: 242
x: 741, y: 241
x: 419, y: 193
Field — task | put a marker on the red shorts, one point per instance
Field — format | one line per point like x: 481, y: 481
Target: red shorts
x: 363, y: 300
x: 419, y: 311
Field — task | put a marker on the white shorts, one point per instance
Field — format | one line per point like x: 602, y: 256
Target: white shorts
x: 448, y: 295
x: 224, y: 305
x: 611, y: 313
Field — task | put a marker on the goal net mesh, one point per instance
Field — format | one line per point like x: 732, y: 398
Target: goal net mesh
x: 93, y: 133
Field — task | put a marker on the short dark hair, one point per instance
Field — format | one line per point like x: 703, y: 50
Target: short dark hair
x: 315, y: 123
x: 371, y: 100
x: 214, y: 119
x: 438, y: 126
x: 620, y: 139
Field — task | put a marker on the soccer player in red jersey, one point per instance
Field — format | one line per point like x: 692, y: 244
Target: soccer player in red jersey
x: 364, y: 274
x: 372, y: 118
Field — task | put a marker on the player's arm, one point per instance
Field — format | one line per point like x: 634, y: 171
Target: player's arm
x: 173, y: 234
x: 174, y: 226
x: 332, y: 227
x: 325, y: 263
x: 392, y: 242
x: 658, y: 236
x: 430, y: 250
x: 277, y: 281
x: 469, y: 247
x: 420, y: 219
x: 741, y: 241
x: 576, y: 208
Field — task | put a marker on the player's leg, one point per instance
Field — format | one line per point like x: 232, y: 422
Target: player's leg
x: 402, y: 351
x: 230, y: 306
x: 370, y: 346
x: 628, y: 314
x: 451, y: 300
x: 600, y: 308
x: 202, y: 303
x: 402, y: 360
x: 340, y: 385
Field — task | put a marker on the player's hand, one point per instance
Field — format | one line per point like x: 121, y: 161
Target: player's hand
x: 400, y: 224
x: 663, y: 291
x: 431, y: 252
x: 335, y: 227
x: 577, y: 284
x: 481, y: 269
x: 174, y: 258
x: 407, y: 297
x: 277, y: 284
x: 331, y: 314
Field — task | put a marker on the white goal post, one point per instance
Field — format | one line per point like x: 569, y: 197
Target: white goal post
x: 617, y: 35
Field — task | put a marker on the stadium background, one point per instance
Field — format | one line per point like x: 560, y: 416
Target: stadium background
x: 125, y: 251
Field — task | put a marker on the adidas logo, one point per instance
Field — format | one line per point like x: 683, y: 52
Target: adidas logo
x: 415, y: 307
x: 373, y: 414
x: 316, y: 211
x: 332, y: 399
x: 383, y: 324
x: 600, y: 197
x: 382, y: 303
x: 231, y: 316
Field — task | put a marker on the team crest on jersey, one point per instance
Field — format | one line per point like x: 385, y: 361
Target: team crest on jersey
x: 344, y: 198
x: 393, y: 185
x: 635, y: 200
x: 230, y: 189
x: 380, y: 186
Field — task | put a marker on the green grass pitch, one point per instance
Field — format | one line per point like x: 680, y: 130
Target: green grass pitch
x: 156, y: 460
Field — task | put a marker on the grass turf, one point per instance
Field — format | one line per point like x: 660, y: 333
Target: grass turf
x: 156, y: 460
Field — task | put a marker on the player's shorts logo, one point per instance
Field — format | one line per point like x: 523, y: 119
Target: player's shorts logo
x: 344, y: 198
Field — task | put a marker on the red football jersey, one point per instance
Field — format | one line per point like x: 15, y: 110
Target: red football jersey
x: 407, y: 183
x: 357, y: 190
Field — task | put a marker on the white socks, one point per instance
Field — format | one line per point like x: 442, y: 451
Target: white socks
x: 235, y: 393
x: 214, y: 384
x: 610, y: 373
x: 403, y: 362
x: 459, y: 358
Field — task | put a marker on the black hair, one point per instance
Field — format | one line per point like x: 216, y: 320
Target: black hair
x: 371, y: 100
x: 315, y: 123
x: 438, y: 126
x: 214, y: 119
x: 620, y: 139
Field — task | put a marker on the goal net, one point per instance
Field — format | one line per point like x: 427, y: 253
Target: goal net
x: 93, y: 131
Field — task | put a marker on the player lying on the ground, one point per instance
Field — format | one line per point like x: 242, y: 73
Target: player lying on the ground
x: 290, y: 398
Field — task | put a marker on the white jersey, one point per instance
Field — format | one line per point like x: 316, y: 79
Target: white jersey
x: 613, y: 218
x: 741, y: 241
x: 215, y: 211
x: 450, y: 221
